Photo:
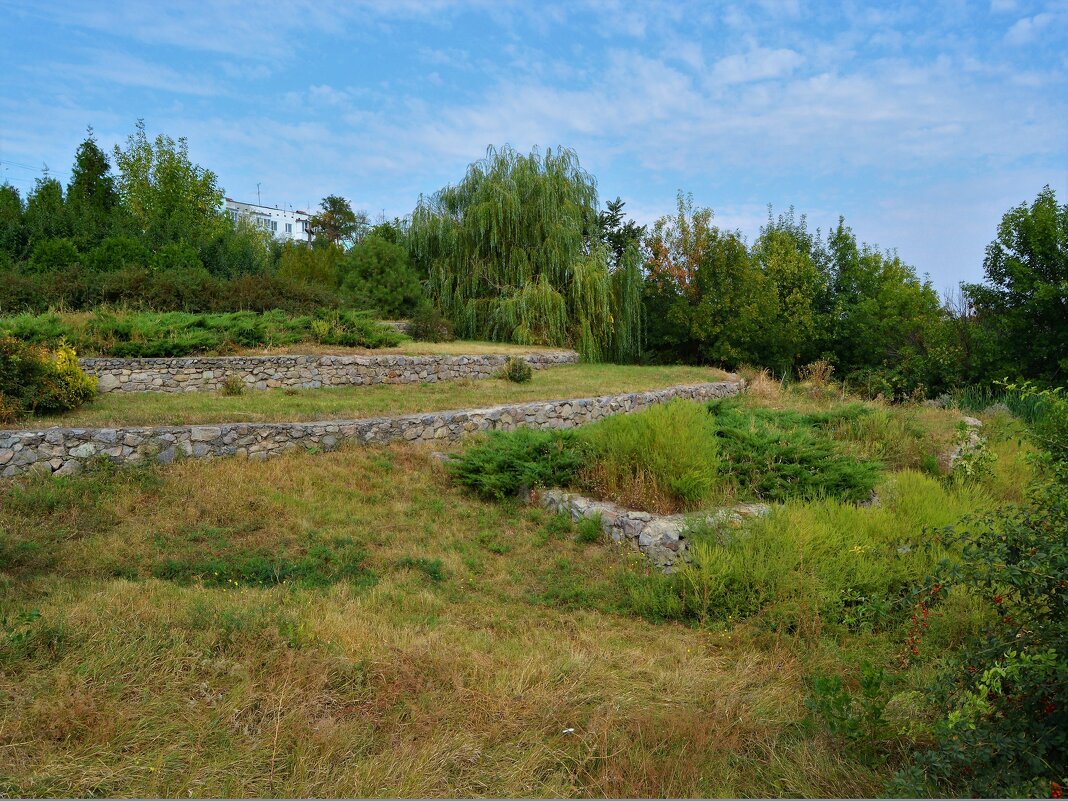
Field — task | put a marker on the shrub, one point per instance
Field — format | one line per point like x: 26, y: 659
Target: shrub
x: 232, y: 387
x: 664, y: 458
x: 507, y: 462
x: 777, y: 455
x: 517, y: 370
x: 378, y: 276
x: 428, y: 324
x: 1007, y: 690
x: 148, y: 334
x: 117, y: 253
x: 35, y: 380
x: 357, y: 329
x: 50, y: 255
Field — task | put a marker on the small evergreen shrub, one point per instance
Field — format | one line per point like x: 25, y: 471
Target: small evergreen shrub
x: 777, y: 455
x: 517, y: 370
x: 507, y: 462
x: 163, y: 334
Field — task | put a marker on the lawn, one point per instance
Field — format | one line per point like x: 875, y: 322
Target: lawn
x: 355, y: 624
x: 568, y: 381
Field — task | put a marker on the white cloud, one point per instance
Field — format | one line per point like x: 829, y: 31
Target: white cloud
x: 759, y: 64
x: 1025, y: 30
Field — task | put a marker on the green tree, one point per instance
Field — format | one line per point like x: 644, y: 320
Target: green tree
x: 705, y: 299
x: 508, y: 257
x: 884, y: 318
x: 12, y: 230
x: 170, y: 198
x: 336, y: 223
x: 310, y: 265
x: 379, y: 276
x: 92, y: 200
x: 617, y: 234
x: 785, y: 252
x: 1024, y: 301
x: 45, y: 216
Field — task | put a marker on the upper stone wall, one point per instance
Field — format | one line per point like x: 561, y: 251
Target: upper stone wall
x: 207, y: 374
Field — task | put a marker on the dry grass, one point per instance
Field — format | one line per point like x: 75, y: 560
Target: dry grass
x: 476, y: 649
x: 568, y: 381
x: 519, y: 673
x: 762, y: 385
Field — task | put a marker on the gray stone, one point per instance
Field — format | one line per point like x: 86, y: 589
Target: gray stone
x: 83, y: 451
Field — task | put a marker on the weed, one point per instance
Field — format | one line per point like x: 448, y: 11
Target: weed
x: 432, y: 568
x: 232, y: 386
x: 517, y: 370
x: 590, y: 530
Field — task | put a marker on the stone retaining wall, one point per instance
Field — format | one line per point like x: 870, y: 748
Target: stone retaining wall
x: 65, y: 451
x: 206, y: 374
x: 659, y: 537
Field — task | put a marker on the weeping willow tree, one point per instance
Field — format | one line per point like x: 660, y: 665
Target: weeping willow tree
x: 512, y: 256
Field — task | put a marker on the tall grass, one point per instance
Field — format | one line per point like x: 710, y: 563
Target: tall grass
x: 826, y: 562
x: 665, y: 458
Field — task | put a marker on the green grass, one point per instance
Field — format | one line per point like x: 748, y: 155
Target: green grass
x: 569, y: 381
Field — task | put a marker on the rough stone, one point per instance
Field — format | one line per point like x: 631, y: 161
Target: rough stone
x: 662, y: 538
x: 208, y: 374
x: 20, y: 449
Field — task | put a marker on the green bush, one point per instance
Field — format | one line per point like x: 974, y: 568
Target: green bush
x: 664, y: 458
x: 1006, y: 691
x: 428, y: 324
x: 776, y: 455
x: 507, y: 462
x: 117, y: 253
x: 34, y: 380
x: 147, y: 334
x: 517, y: 370
x: 50, y: 255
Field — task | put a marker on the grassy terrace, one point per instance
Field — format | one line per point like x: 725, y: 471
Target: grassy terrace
x: 354, y: 624
x: 570, y: 381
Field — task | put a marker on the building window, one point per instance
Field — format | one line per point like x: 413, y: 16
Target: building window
x: 274, y: 226
x: 289, y: 228
x: 233, y: 214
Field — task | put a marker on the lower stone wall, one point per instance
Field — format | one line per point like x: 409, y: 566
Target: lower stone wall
x: 659, y: 537
x: 65, y: 451
x: 207, y: 373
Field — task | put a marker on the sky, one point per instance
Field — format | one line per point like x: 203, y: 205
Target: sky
x: 920, y: 122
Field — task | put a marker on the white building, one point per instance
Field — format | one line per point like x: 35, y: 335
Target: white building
x: 283, y: 224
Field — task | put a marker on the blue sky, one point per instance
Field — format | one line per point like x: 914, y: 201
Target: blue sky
x: 920, y: 122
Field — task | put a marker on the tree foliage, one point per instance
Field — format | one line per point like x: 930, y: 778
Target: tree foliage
x: 336, y: 223
x: 509, y: 257
x: 1024, y: 302
x: 170, y: 198
x: 378, y: 276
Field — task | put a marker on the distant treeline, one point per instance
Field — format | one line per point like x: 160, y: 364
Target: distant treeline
x: 521, y: 250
